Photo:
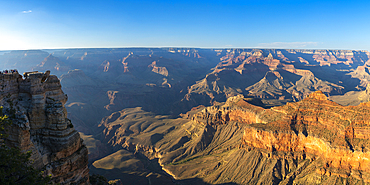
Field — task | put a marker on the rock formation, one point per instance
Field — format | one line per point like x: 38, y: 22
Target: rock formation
x: 331, y: 137
x: 314, y: 141
x: 35, y: 105
x: 170, y: 81
x: 317, y: 128
x: 279, y: 74
x: 53, y: 63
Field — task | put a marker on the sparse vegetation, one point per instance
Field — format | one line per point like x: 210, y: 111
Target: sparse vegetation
x: 51, y: 98
x: 15, y: 166
x: 11, y: 109
x: 97, y: 179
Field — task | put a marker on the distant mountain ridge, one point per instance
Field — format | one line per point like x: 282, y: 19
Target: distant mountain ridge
x: 165, y: 106
x: 173, y: 80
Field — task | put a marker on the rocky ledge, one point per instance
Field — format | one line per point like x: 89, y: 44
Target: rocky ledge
x: 331, y: 137
x: 318, y: 129
x: 35, y: 103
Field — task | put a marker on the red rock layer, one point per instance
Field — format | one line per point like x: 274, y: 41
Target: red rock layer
x: 336, y: 134
x: 314, y: 128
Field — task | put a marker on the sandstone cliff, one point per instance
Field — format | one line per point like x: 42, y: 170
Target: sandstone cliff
x: 317, y: 129
x: 327, y: 140
x: 173, y: 80
x: 280, y: 74
x: 35, y: 104
x: 314, y: 141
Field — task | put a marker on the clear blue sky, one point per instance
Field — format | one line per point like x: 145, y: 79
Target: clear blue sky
x: 311, y: 24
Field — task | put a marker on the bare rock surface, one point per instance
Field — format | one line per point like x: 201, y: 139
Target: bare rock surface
x: 35, y: 104
x: 208, y: 144
x: 313, y: 141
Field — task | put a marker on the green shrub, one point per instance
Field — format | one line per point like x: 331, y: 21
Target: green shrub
x: 15, y: 166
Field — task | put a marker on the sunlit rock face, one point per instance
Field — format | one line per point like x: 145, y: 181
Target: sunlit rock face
x: 35, y: 104
x: 316, y: 128
x: 282, y: 74
x: 313, y: 141
x: 315, y: 138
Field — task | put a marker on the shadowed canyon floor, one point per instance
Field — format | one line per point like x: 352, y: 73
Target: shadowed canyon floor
x: 248, y: 116
x: 314, y: 141
x: 173, y: 80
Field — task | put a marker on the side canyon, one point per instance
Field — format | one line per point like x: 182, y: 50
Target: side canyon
x: 313, y: 141
x: 191, y: 115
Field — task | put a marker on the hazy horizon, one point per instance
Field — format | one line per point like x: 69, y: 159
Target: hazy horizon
x: 164, y: 47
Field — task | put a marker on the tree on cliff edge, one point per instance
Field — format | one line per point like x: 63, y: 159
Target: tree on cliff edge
x: 15, y: 166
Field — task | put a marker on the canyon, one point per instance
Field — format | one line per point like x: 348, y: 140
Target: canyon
x: 313, y: 141
x: 208, y: 116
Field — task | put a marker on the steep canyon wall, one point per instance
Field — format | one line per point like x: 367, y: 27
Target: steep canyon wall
x: 35, y: 104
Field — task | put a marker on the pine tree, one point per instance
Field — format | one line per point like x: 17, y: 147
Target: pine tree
x: 15, y: 166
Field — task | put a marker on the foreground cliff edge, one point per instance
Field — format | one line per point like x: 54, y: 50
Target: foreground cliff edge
x: 35, y: 104
x: 314, y: 141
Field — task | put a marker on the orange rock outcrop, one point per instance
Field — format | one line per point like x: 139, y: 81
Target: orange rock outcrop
x: 314, y: 128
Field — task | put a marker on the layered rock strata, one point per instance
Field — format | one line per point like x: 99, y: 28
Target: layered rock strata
x: 281, y: 74
x: 314, y: 129
x: 314, y: 141
x: 35, y: 105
